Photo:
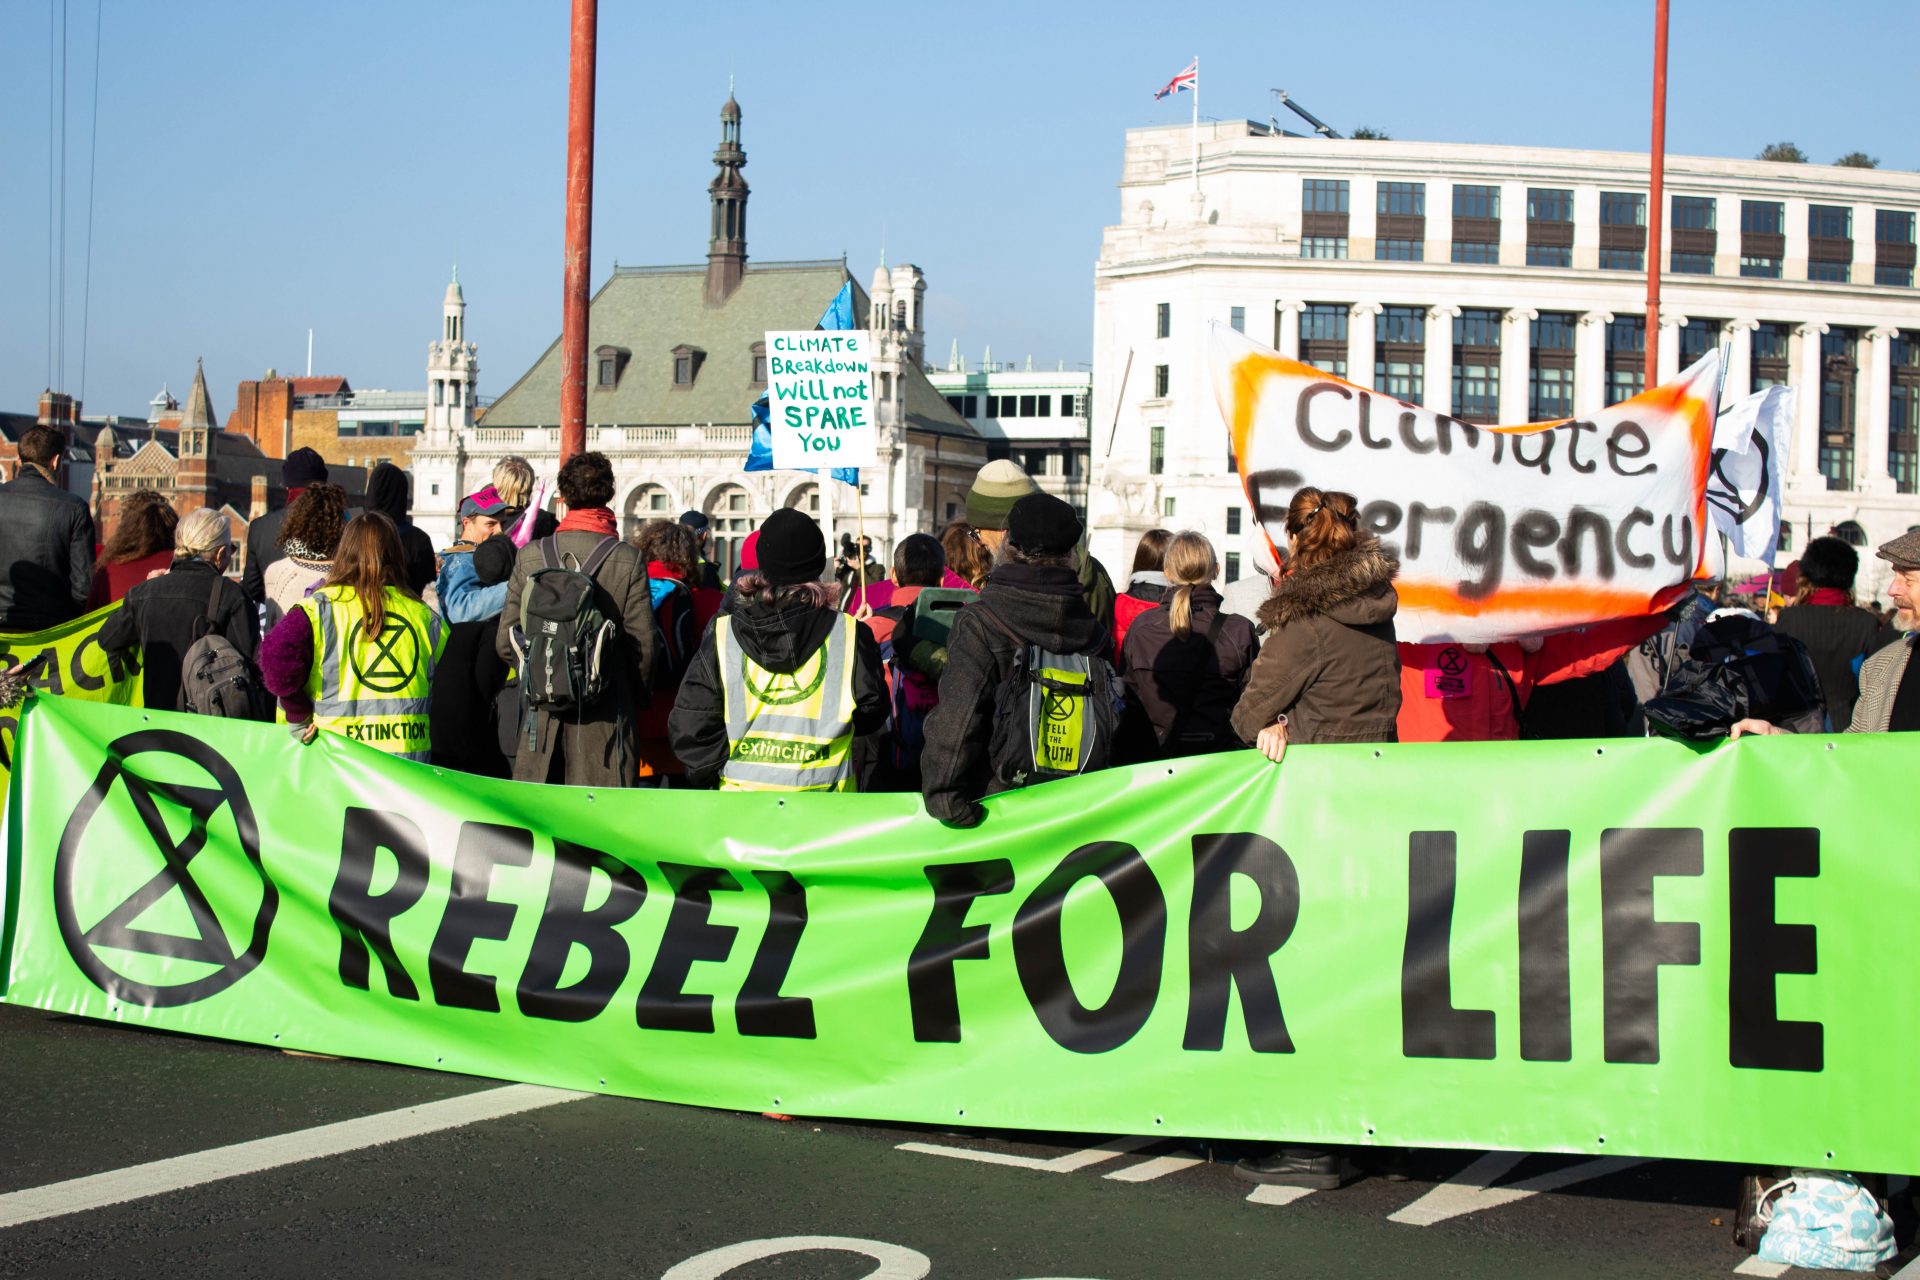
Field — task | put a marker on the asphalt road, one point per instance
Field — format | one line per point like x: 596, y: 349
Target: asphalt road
x: 372, y: 1170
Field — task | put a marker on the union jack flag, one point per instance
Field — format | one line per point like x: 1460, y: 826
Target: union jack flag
x: 1185, y: 80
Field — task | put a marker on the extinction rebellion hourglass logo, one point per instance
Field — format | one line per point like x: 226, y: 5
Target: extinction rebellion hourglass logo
x: 158, y: 876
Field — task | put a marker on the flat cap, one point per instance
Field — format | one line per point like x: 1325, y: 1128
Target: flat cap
x: 1903, y: 551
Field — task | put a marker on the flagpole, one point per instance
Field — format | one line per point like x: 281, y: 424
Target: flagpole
x: 1196, y: 124
x: 1657, y: 185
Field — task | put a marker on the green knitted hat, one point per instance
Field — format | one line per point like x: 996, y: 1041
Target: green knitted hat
x: 996, y: 488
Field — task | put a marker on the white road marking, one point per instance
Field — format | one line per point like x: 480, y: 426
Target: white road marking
x: 1158, y: 1167
x: 1278, y: 1195
x: 1756, y: 1267
x: 1469, y: 1191
x: 897, y: 1262
x: 1068, y: 1163
x: 96, y: 1191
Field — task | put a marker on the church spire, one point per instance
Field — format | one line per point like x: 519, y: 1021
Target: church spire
x: 727, y: 193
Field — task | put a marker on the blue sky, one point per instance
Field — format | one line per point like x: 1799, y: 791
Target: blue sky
x: 266, y: 167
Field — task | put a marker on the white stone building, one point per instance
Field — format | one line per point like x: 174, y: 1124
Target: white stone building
x: 1502, y: 284
x: 676, y: 358
x: 1037, y: 417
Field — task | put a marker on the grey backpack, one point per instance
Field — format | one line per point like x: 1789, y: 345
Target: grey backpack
x: 215, y: 680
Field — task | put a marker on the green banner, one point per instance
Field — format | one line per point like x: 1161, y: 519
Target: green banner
x: 71, y: 664
x: 1621, y: 948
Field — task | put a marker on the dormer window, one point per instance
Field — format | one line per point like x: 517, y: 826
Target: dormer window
x: 686, y: 365
x: 608, y: 364
x: 760, y: 364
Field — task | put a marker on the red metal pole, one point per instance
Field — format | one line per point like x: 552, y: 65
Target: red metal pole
x: 1657, y: 195
x: 573, y: 321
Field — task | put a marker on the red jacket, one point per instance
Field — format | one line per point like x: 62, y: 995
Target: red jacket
x: 1450, y: 694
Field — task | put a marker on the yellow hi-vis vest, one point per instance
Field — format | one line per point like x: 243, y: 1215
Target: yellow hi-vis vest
x: 374, y: 689
x: 788, y: 732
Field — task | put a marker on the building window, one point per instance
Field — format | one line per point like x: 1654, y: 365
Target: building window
x: 731, y: 517
x: 609, y: 364
x: 606, y: 371
x: 1408, y: 198
x: 439, y: 391
x: 1167, y: 507
x: 1161, y: 381
x: 1232, y: 571
x: 1233, y: 521
x: 1549, y: 227
x: 1763, y: 241
x: 1549, y: 255
x: 1693, y: 213
x: 1476, y: 366
x: 1156, y: 450
x: 1334, y: 247
x: 1237, y: 319
x: 1398, y: 250
x: 759, y: 352
x: 1476, y: 202
x: 1549, y: 204
x: 1476, y: 224
x: 1837, y: 369
x: 1400, y: 353
x: 1073, y: 406
x: 1769, y: 352
x: 1697, y: 337
x: 1903, y: 411
x: 1692, y: 264
x: 1163, y: 321
x: 1029, y: 407
x: 1626, y: 358
x: 1764, y: 268
x: 1323, y: 337
x: 648, y: 502
x: 683, y: 371
x: 1550, y: 384
x: 1829, y: 242
x: 1623, y: 260
x: 1893, y: 248
x: 1319, y: 195
x: 1762, y: 217
x: 1623, y: 209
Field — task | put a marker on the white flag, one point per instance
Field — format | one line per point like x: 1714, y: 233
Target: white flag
x: 1743, y: 490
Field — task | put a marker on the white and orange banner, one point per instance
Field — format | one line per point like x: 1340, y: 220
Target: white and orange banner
x: 1502, y: 532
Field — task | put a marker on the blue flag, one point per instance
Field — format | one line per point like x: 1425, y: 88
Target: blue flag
x: 838, y: 315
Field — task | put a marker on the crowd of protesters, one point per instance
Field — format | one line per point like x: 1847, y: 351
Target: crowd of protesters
x: 543, y: 646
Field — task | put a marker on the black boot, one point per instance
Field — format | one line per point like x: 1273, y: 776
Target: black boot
x: 1316, y: 1168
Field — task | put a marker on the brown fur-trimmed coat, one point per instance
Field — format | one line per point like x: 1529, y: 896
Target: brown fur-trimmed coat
x: 1329, y: 663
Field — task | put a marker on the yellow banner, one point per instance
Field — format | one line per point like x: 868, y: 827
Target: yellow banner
x: 68, y: 662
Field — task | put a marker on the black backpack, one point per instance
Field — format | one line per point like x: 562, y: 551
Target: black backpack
x: 1055, y: 715
x: 1737, y: 668
x: 561, y: 642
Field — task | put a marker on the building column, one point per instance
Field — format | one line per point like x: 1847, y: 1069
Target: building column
x: 1439, y: 359
x: 1360, y: 345
x: 1804, y: 360
x: 1668, y: 366
x: 1516, y: 363
x: 1287, y: 328
x: 1590, y: 363
x: 1738, y: 382
x: 1873, y: 406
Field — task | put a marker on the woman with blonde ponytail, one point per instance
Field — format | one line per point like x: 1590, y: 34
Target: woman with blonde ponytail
x: 1186, y: 661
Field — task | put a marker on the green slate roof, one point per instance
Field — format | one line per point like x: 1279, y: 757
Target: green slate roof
x: 648, y: 311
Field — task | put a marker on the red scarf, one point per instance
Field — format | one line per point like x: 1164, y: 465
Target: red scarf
x: 1829, y: 595
x: 661, y: 569
x: 589, y: 520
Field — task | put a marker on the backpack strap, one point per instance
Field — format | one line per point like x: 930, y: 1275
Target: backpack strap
x: 598, y: 556
x: 1001, y: 623
x: 212, y: 616
x: 550, y: 551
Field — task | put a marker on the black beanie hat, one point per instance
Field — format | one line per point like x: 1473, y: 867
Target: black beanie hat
x: 302, y: 468
x: 1041, y: 524
x: 792, y: 548
x: 493, y: 560
x: 1829, y: 562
